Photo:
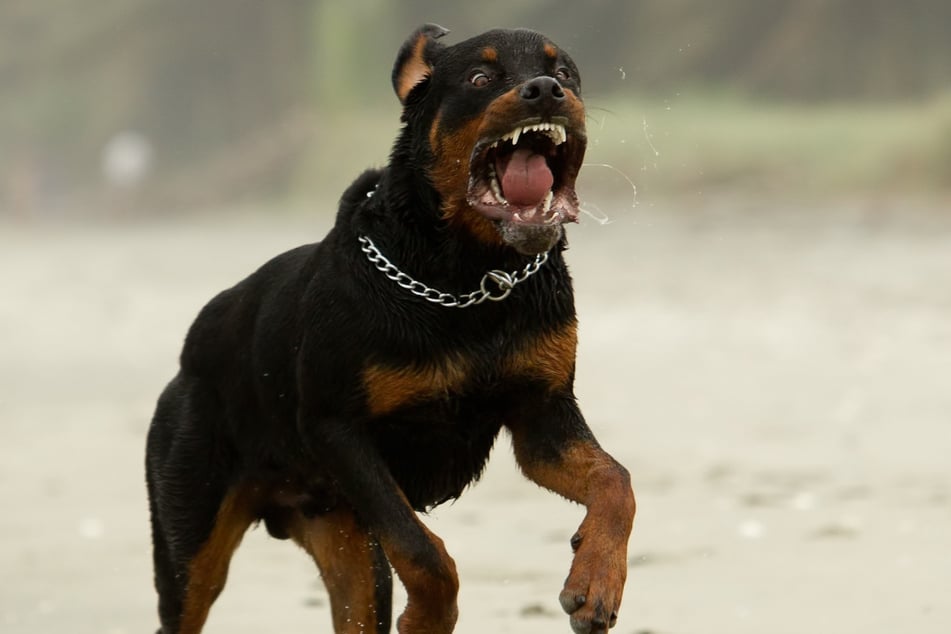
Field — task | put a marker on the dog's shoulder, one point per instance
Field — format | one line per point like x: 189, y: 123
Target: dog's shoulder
x: 271, y: 297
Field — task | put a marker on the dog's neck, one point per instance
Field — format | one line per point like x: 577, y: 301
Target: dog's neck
x: 407, y: 227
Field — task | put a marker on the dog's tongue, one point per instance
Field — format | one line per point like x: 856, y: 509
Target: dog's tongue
x: 525, y: 178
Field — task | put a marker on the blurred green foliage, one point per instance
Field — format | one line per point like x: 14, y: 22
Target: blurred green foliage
x: 244, y: 98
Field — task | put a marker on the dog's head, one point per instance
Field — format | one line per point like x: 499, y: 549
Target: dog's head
x: 499, y: 124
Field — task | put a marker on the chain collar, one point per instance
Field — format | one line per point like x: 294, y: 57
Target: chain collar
x: 504, y: 281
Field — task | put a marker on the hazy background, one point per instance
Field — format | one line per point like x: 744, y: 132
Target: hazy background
x: 763, y: 278
x: 141, y: 106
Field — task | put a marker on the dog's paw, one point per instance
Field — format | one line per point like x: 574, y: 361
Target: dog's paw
x: 592, y: 592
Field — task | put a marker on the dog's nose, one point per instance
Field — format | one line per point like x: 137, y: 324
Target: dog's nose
x: 542, y: 91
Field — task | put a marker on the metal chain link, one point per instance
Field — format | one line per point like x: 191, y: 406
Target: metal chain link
x: 503, y: 280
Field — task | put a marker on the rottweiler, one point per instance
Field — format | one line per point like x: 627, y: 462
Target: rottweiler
x: 348, y: 384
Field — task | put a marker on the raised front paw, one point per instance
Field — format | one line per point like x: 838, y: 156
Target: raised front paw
x: 592, y: 592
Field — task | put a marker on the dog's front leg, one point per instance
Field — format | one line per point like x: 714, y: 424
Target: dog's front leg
x: 555, y: 448
x: 417, y: 555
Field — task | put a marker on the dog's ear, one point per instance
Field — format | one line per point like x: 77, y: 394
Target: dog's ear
x: 414, y: 63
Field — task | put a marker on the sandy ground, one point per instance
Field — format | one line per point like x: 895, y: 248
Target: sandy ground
x: 778, y: 380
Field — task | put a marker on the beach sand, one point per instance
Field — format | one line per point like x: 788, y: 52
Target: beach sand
x: 777, y: 378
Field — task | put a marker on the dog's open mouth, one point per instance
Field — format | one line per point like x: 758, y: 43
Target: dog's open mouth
x: 526, y: 176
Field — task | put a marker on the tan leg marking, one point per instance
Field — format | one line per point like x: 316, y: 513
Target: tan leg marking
x: 208, y: 570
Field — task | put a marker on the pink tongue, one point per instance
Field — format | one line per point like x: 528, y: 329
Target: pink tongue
x: 526, y: 179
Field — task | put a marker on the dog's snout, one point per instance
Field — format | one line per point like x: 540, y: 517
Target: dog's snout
x: 542, y: 90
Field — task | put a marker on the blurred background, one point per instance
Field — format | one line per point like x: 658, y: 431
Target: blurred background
x: 147, y: 105
x: 763, y: 278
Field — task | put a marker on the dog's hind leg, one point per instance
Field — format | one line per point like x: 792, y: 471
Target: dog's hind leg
x: 353, y: 567
x: 207, y: 569
x: 198, y: 518
x: 189, y: 573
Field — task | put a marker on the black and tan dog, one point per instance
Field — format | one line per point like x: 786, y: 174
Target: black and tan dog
x: 348, y: 384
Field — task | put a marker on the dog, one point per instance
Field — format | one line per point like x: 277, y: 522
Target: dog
x: 348, y: 384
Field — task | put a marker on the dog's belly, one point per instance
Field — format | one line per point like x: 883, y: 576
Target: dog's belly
x: 435, y: 451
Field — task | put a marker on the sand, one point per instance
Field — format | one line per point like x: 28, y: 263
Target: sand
x: 776, y: 377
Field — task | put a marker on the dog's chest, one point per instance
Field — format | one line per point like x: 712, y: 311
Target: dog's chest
x: 547, y: 359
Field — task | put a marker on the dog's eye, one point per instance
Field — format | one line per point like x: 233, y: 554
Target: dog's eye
x: 562, y: 74
x: 478, y: 79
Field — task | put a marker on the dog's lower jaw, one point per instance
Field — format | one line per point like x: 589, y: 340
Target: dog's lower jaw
x: 529, y: 239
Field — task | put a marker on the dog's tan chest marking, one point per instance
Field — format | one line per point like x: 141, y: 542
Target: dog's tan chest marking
x: 548, y: 358
x: 388, y: 389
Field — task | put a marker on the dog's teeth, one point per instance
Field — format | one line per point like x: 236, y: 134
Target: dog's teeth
x: 496, y: 188
x: 553, y: 131
x: 546, y: 205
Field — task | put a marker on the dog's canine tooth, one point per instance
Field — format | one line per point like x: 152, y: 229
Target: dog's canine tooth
x: 546, y: 205
x: 515, y: 135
